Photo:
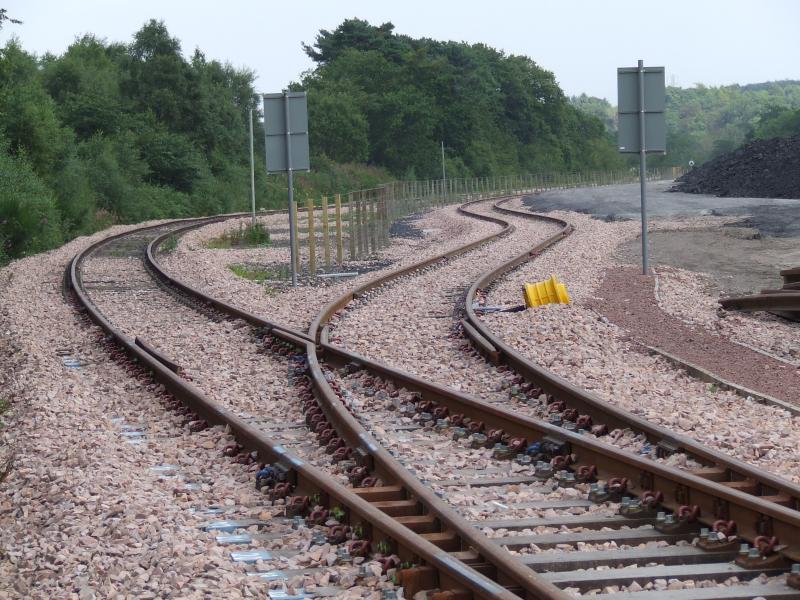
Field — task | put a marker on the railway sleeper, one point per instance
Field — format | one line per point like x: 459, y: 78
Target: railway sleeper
x: 566, y: 469
x: 481, y: 431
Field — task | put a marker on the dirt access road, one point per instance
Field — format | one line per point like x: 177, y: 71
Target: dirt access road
x: 743, y: 258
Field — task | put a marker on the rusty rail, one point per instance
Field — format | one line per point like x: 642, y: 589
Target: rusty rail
x: 439, y: 568
x: 590, y: 403
x: 510, y: 572
x: 715, y: 490
x: 784, y: 302
x: 705, y: 490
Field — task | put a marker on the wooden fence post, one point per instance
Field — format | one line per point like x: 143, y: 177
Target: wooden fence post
x: 312, y: 239
x: 339, y: 241
x: 351, y: 217
x: 326, y: 249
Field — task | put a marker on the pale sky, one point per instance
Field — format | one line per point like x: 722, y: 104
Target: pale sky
x: 714, y: 42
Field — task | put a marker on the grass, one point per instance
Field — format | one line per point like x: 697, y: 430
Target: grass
x: 256, y: 273
x: 251, y: 273
x: 169, y: 244
x: 247, y: 236
x: 270, y: 277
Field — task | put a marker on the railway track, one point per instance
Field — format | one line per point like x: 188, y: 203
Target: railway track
x: 458, y: 558
x: 370, y: 517
x: 723, y: 472
x: 565, y: 399
x: 784, y: 301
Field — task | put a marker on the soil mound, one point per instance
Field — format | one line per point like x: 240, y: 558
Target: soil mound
x: 760, y: 169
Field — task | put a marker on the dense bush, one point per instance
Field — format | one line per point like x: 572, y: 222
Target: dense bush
x: 29, y: 217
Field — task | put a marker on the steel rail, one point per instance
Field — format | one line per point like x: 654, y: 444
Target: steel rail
x: 590, y: 403
x: 714, y: 500
x: 753, y: 514
x: 451, y: 574
x: 784, y: 302
x: 383, y: 464
x: 790, y: 275
x: 679, y: 487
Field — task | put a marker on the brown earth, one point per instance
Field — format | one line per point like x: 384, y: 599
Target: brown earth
x: 627, y: 299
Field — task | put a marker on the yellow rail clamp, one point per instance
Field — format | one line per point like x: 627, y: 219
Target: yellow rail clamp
x: 549, y: 291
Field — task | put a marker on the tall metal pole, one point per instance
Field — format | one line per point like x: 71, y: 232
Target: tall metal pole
x: 643, y: 166
x: 292, y: 239
x: 252, y: 172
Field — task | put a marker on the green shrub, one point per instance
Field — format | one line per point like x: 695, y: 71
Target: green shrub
x: 247, y: 236
x: 29, y: 219
x: 169, y: 244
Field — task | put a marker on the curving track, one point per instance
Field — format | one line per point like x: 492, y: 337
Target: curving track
x: 430, y: 531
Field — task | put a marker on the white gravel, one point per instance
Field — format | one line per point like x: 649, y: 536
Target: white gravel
x: 684, y: 294
x: 83, y: 512
x: 410, y: 323
x: 209, y: 270
x: 224, y: 358
x: 577, y: 345
x: 378, y: 325
x: 688, y: 296
x: 574, y: 342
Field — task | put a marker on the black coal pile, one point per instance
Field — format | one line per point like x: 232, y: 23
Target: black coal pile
x: 760, y: 169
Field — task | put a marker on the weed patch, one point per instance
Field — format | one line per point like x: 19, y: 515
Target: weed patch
x: 246, y: 236
x: 169, y: 244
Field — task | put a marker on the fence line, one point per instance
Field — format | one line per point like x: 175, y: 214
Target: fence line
x: 365, y: 217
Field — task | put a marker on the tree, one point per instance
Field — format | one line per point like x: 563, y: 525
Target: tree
x: 5, y: 18
x: 497, y: 113
x: 341, y: 130
x: 775, y: 121
x: 705, y: 121
x: 29, y: 221
x: 354, y: 34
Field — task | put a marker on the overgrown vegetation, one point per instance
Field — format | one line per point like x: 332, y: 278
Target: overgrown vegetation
x: 704, y: 122
x: 114, y: 132
x: 169, y: 244
x: 252, y: 235
x: 4, y: 406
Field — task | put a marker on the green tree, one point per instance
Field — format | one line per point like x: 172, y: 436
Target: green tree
x: 29, y: 220
x: 341, y: 130
x: 4, y: 18
x: 27, y: 113
x: 703, y: 121
x: 775, y: 121
x: 496, y: 113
